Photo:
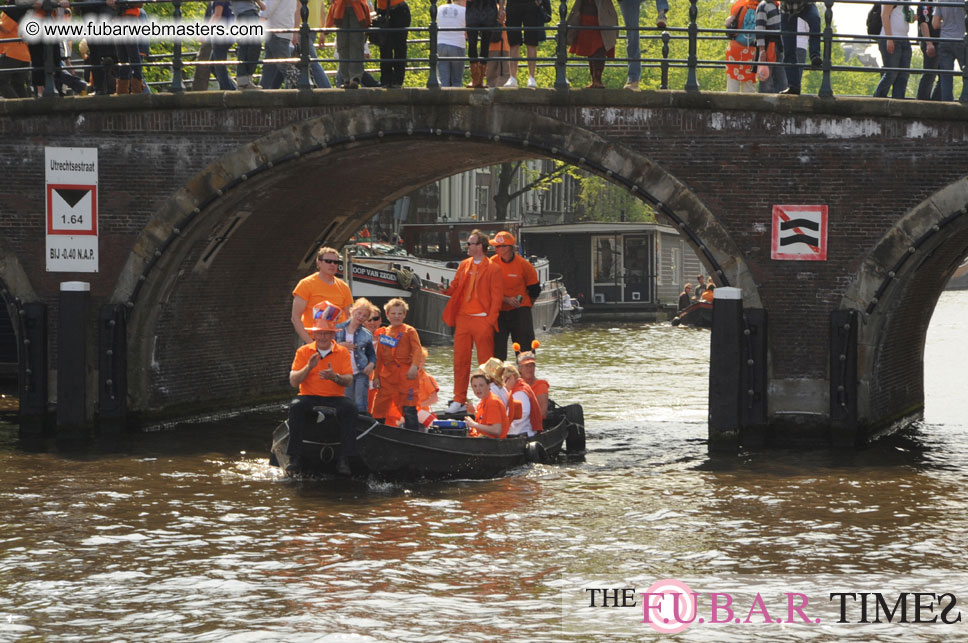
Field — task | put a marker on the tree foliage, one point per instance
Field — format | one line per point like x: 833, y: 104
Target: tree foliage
x: 602, y: 200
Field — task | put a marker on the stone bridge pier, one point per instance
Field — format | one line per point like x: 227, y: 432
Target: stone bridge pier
x: 212, y: 205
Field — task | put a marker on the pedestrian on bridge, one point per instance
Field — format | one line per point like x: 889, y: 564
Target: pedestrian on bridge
x: 594, y: 44
x: 631, y: 10
x: 349, y: 16
x: 895, y: 51
x: 950, y: 22
x: 393, y: 54
x: 790, y: 12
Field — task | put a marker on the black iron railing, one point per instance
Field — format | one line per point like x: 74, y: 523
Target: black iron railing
x: 167, y: 67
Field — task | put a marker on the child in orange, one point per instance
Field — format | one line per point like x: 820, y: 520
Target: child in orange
x: 491, y: 417
x: 426, y: 395
x: 398, y: 357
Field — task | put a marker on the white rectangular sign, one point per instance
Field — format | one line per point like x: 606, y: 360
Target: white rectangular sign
x: 72, y: 209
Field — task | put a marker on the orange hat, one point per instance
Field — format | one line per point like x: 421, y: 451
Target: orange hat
x: 325, y: 315
x: 502, y: 238
x: 526, y: 358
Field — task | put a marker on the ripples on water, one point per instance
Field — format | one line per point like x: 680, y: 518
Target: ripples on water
x: 189, y: 534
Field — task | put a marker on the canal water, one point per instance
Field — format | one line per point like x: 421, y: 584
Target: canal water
x: 188, y: 534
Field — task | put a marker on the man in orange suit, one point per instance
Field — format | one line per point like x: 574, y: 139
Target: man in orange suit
x: 475, y: 301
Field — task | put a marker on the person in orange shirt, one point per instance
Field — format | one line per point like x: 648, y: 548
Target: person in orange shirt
x: 322, y: 370
x: 351, y: 16
x: 398, y: 358
x: 707, y: 294
x: 322, y: 285
x: 540, y: 388
x: 490, y: 418
x: 472, y: 310
x: 521, y: 288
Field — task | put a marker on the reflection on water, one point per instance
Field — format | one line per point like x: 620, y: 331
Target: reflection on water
x: 189, y: 534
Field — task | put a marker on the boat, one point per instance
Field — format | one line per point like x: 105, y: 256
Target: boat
x: 380, y: 275
x: 396, y: 453
x: 699, y: 314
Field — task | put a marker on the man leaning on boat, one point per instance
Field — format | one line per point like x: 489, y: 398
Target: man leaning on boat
x: 321, y: 371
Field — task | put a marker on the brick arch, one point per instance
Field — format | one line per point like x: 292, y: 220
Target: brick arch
x: 320, y: 180
x: 895, y: 291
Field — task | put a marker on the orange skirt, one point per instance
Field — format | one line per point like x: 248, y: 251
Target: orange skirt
x: 589, y: 41
x: 736, y: 52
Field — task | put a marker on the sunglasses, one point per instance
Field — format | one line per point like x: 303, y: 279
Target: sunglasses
x: 377, y: 318
x: 473, y: 243
x: 332, y: 261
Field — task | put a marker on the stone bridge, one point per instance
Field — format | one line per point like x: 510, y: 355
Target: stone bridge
x: 212, y: 204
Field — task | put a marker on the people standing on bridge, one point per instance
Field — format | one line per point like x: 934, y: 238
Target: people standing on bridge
x: 525, y: 25
x: 393, y: 54
x: 945, y: 20
x: 451, y: 43
x: 14, y: 55
x: 281, y: 17
x: 769, y: 47
x: 521, y: 289
x: 685, y: 297
x: 928, y: 89
x: 594, y: 44
x: 322, y: 370
x: 220, y: 12
x: 482, y: 17
x: 895, y: 50
x: 630, y: 13
x: 399, y: 356
x: 741, y: 47
x: 247, y: 49
x: 130, y: 75
x: 322, y: 285
x: 790, y: 12
x: 349, y: 16
x: 472, y: 310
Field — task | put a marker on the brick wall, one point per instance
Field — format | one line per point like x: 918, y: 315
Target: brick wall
x: 223, y: 332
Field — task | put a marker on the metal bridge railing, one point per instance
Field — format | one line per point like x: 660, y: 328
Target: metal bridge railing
x: 168, y: 67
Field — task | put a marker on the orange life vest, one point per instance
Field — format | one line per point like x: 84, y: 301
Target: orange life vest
x: 535, y: 412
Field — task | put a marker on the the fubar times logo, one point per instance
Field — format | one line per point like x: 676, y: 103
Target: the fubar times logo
x: 757, y: 604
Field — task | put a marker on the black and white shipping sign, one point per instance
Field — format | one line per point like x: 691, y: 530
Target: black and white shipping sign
x: 72, y: 209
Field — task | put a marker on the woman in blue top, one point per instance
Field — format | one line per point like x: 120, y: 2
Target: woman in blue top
x: 359, y: 341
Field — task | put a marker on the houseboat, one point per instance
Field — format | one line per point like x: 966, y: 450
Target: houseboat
x: 631, y: 271
x: 381, y: 272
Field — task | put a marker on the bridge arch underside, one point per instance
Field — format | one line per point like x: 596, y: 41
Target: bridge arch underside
x: 922, y: 252
x: 210, y: 326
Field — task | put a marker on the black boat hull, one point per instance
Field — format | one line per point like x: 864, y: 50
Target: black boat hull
x: 699, y: 314
x: 396, y: 453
